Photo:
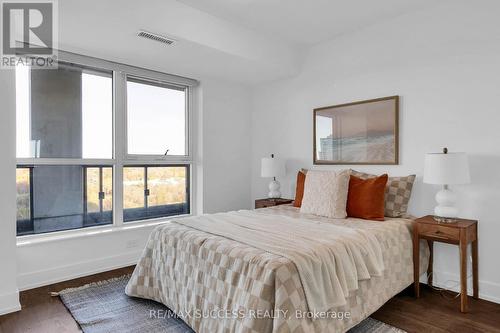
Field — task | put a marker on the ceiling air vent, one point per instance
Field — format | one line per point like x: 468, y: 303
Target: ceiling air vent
x: 156, y: 37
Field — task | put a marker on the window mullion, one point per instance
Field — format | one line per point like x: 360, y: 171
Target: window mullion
x: 85, y: 199
x: 63, y: 161
x: 32, y: 202
x: 119, y: 140
x: 146, y: 190
x: 101, y: 192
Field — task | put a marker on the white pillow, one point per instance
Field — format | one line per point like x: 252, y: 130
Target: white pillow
x: 325, y: 193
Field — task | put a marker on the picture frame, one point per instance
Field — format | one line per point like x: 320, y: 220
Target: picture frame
x: 358, y: 133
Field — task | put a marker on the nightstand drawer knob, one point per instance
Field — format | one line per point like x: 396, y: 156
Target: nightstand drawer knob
x: 440, y: 234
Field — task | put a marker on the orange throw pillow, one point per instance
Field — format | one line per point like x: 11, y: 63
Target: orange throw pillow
x: 299, y: 190
x: 365, y: 199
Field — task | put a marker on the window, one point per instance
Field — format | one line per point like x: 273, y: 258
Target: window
x: 68, y: 133
x: 98, y: 190
x: 58, y: 197
x: 154, y: 191
x: 64, y: 113
x: 166, y: 104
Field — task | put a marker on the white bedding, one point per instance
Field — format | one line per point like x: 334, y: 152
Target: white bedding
x: 330, y: 259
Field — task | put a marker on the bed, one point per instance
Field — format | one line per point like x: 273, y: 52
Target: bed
x: 218, y: 282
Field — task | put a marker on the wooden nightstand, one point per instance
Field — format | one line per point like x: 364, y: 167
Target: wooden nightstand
x: 263, y: 203
x: 460, y: 233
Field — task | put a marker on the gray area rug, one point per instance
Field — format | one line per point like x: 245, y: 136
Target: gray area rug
x: 103, y: 307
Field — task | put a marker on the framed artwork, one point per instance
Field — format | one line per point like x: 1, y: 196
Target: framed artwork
x: 364, y: 132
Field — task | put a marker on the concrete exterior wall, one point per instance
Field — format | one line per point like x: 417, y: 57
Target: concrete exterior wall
x: 56, y: 114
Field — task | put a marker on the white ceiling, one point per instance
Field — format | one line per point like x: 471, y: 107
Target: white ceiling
x: 306, y: 21
x: 247, y: 41
x: 207, y: 46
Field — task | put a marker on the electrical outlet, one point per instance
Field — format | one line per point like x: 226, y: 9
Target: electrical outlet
x: 132, y: 243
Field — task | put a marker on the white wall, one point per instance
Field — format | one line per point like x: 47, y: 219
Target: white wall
x: 444, y: 63
x: 226, y: 146
x: 223, y: 128
x: 9, y: 300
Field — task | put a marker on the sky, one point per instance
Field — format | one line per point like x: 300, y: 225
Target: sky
x: 155, y: 120
x: 97, y: 116
x: 22, y: 112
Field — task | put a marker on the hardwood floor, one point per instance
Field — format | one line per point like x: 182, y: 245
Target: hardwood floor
x: 430, y: 313
x: 42, y: 313
x: 434, y: 313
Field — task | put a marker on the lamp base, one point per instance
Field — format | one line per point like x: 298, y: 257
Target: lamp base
x: 444, y: 220
x: 445, y: 211
x: 274, y: 190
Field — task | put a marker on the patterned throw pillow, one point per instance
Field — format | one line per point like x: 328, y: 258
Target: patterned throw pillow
x: 325, y: 193
x: 397, y: 193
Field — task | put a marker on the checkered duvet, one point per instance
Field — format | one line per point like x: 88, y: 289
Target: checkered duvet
x: 219, y: 285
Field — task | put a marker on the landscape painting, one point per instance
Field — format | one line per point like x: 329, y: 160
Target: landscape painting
x: 364, y: 132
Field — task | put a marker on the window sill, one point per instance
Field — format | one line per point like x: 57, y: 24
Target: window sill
x: 92, y: 231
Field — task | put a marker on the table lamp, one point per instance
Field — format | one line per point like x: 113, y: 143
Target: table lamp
x: 273, y: 167
x: 446, y: 169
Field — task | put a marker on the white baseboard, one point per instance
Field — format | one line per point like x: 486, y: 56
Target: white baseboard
x: 75, y: 270
x: 9, y: 302
x: 489, y: 291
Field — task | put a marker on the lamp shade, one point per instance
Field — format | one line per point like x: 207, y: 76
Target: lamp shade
x: 446, y: 169
x: 272, y: 167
